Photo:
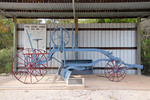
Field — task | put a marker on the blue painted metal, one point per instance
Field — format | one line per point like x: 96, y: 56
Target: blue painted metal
x: 60, y: 69
x: 34, y: 58
x: 64, y: 76
x: 50, y: 41
x: 67, y: 75
x: 73, y: 35
x: 88, y: 71
x: 77, y: 66
x: 30, y: 41
x: 60, y: 37
x: 37, y: 40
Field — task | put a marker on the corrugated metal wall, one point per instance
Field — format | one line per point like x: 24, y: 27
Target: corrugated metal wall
x: 110, y: 35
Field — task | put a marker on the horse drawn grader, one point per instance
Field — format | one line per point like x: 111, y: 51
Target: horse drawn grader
x: 32, y: 63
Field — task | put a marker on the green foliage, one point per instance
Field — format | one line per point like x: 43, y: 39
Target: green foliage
x: 5, y: 60
x: 87, y: 21
x: 28, y: 21
x: 8, y: 67
x: 106, y: 20
x: 6, y: 41
x: 117, y: 20
x: 6, y: 35
x: 145, y: 52
x: 66, y: 21
x: 6, y: 30
x: 48, y: 22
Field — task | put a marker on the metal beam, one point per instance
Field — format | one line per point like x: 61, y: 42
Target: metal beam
x: 2, y: 14
x: 69, y: 1
x: 15, y: 38
x: 92, y: 29
x: 112, y: 48
x: 138, y: 44
x: 112, y: 17
x: 75, y: 10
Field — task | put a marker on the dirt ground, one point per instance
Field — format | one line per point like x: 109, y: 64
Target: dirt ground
x: 74, y: 95
x: 97, y: 87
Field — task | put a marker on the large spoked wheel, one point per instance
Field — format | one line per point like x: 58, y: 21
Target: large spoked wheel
x: 113, y: 73
x: 27, y: 67
x: 56, y: 36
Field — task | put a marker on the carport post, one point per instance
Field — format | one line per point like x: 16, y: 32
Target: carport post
x: 138, y: 44
x: 76, y: 36
x: 15, y: 36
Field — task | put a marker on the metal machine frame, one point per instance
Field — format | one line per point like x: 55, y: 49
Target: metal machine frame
x: 115, y: 69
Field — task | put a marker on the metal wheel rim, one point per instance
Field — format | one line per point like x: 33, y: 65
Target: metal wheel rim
x: 53, y: 38
x: 27, y: 75
x: 113, y: 74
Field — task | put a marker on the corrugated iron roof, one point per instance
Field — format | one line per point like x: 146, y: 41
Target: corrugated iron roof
x: 84, y: 9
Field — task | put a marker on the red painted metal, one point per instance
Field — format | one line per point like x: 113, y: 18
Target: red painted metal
x: 28, y: 70
x: 114, y: 74
x: 34, y: 53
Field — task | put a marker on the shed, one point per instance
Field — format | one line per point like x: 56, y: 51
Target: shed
x: 123, y: 39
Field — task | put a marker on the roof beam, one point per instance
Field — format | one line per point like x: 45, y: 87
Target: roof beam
x: 21, y: 17
x: 69, y: 1
x: 2, y: 14
x: 74, y: 11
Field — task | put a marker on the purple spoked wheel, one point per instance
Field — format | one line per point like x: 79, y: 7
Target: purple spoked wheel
x: 113, y: 73
x: 28, y: 70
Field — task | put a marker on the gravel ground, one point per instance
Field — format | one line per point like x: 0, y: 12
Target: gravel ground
x: 74, y: 95
x: 12, y: 93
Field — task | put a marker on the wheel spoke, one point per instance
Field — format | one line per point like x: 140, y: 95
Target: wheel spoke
x: 113, y: 73
x: 25, y: 78
x: 110, y: 65
x: 110, y: 75
x: 20, y: 63
x: 20, y: 58
x: 56, y: 36
x: 113, y: 64
x: 109, y: 71
x: 20, y: 76
x: 117, y: 78
x: 30, y: 77
x: 35, y: 77
x: 30, y: 71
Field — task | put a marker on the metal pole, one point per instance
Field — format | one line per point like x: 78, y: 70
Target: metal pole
x: 76, y: 27
x: 138, y: 44
x: 76, y: 36
x: 15, y: 39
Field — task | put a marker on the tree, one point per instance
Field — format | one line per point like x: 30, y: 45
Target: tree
x: 117, y: 20
x: 145, y: 51
x: 87, y: 21
x: 28, y: 21
x: 66, y: 21
x: 6, y: 35
x: 51, y: 21
x: 6, y: 40
x: 107, y: 20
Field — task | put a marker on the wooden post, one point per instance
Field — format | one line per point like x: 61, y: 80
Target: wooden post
x: 138, y: 44
x: 76, y: 36
x: 15, y: 38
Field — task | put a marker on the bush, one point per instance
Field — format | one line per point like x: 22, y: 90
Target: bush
x: 145, y: 52
x: 5, y: 60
